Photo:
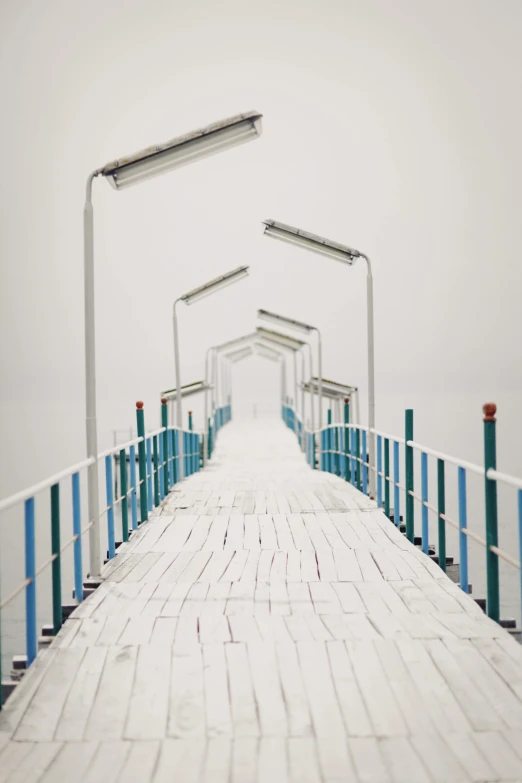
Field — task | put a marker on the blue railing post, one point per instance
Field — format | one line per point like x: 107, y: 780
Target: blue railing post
x: 424, y: 498
x: 463, y: 539
x: 110, y: 505
x: 379, y: 471
x: 358, y: 459
x: 409, y: 476
x: 30, y: 590
x: 387, y: 477
x: 134, y: 500
x: 160, y: 466
x: 124, y: 496
x: 520, y: 535
x: 175, y: 452
x: 329, y: 466
x: 77, y: 531
x: 396, y: 479
x: 142, y: 464
x: 490, y: 462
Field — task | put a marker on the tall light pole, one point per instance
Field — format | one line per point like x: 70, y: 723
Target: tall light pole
x: 346, y: 255
x: 122, y: 173
x: 291, y: 323
x: 194, y: 296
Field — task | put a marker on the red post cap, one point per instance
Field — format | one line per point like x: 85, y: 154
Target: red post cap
x: 164, y: 401
x: 139, y: 405
x: 489, y: 410
x: 347, y: 400
x: 190, y: 413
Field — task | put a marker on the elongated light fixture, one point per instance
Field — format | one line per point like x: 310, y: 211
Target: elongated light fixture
x: 214, y: 285
x: 281, y: 320
x: 317, y: 244
x: 279, y: 337
x: 183, y: 150
x: 236, y: 356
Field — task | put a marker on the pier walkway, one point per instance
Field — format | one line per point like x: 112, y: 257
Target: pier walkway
x: 269, y: 624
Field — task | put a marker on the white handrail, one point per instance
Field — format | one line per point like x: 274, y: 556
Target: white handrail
x: 461, y: 463
x: 25, y: 494
x: 498, y: 476
x: 116, y: 449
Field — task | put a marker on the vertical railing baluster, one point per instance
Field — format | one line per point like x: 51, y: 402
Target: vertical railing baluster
x: 160, y: 466
x: 110, y: 506
x: 347, y: 437
x: 156, y: 476
x: 387, y: 477
x: 150, y: 493
x: 396, y: 479
x: 520, y: 537
x: 134, y: 500
x: 358, y: 462
x: 424, y: 497
x: 379, y: 471
x: 364, y: 473
x: 30, y: 590
x: 409, y: 476
x: 353, y: 469
x: 166, y: 446
x: 441, y: 497
x: 124, y: 496
x: 463, y: 539
x: 142, y: 463
x: 328, y: 441
x: 173, y: 436
x: 56, y: 567
x: 490, y: 462
x: 77, y: 531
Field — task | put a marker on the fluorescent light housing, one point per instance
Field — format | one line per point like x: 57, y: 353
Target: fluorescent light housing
x: 265, y: 315
x: 237, y: 356
x: 267, y: 353
x: 214, y: 285
x: 295, y: 236
x: 184, y: 149
x: 334, y: 387
x: 187, y: 390
x: 280, y: 338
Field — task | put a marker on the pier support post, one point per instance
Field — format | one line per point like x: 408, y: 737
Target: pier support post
x: 490, y: 461
x: 410, y: 519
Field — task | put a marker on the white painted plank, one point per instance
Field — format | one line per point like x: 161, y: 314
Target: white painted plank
x: 217, y: 706
x: 317, y: 677
x: 242, y: 697
x: 107, y: 717
x: 267, y: 689
x: 304, y: 763
x: 148, y: 708
x: 186, y: 714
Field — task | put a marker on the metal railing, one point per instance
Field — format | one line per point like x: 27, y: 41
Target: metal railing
x: 156, y: 455
x: 221, y: 417
x: 344, y: 452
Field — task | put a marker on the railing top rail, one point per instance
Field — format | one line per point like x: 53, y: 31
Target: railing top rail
x: 461, y: 463
x: 513, y: 481
x: 25, y: 494
x: 116, y: 449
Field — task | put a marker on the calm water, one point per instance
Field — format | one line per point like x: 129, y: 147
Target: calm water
x: 451, y: 423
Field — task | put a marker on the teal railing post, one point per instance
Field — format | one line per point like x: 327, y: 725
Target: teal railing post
x: 142, y: 462
x: 424, y: 495
x: 379, y: 471
x: 77, y: 531
x: 57, y: 562
x: 190, y: 439
x: 490, y: 462
x: 124, y: 497
x: 441, y: 497
x: 165, y: 436
x: 175, y: 467
x: 347, y: 438
x: 387, y: 477
x: 329, y: 463
x: 209, y: 439
x: 358, y: 459
x: 410, y: 519
x: 156, y: 470
x: 30, y: 590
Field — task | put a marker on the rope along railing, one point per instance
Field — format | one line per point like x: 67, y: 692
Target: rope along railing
x: 156, y: 455
x: 344, y: 452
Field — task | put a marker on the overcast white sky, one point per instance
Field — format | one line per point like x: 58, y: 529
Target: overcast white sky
x: 394, y: 127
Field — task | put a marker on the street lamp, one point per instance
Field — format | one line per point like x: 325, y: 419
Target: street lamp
x: 265, y: 315
x: 346, y: 255
x: 122, y: 173
x: 194, y: 296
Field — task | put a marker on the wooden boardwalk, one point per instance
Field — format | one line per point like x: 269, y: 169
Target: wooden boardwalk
x: 269, y: 625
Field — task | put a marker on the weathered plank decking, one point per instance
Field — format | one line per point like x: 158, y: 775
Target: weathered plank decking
x: 269, y: 625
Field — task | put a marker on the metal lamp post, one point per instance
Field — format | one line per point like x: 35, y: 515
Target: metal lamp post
x: 346, y: 255
x: 194, y: 296
x: 122, y: 173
